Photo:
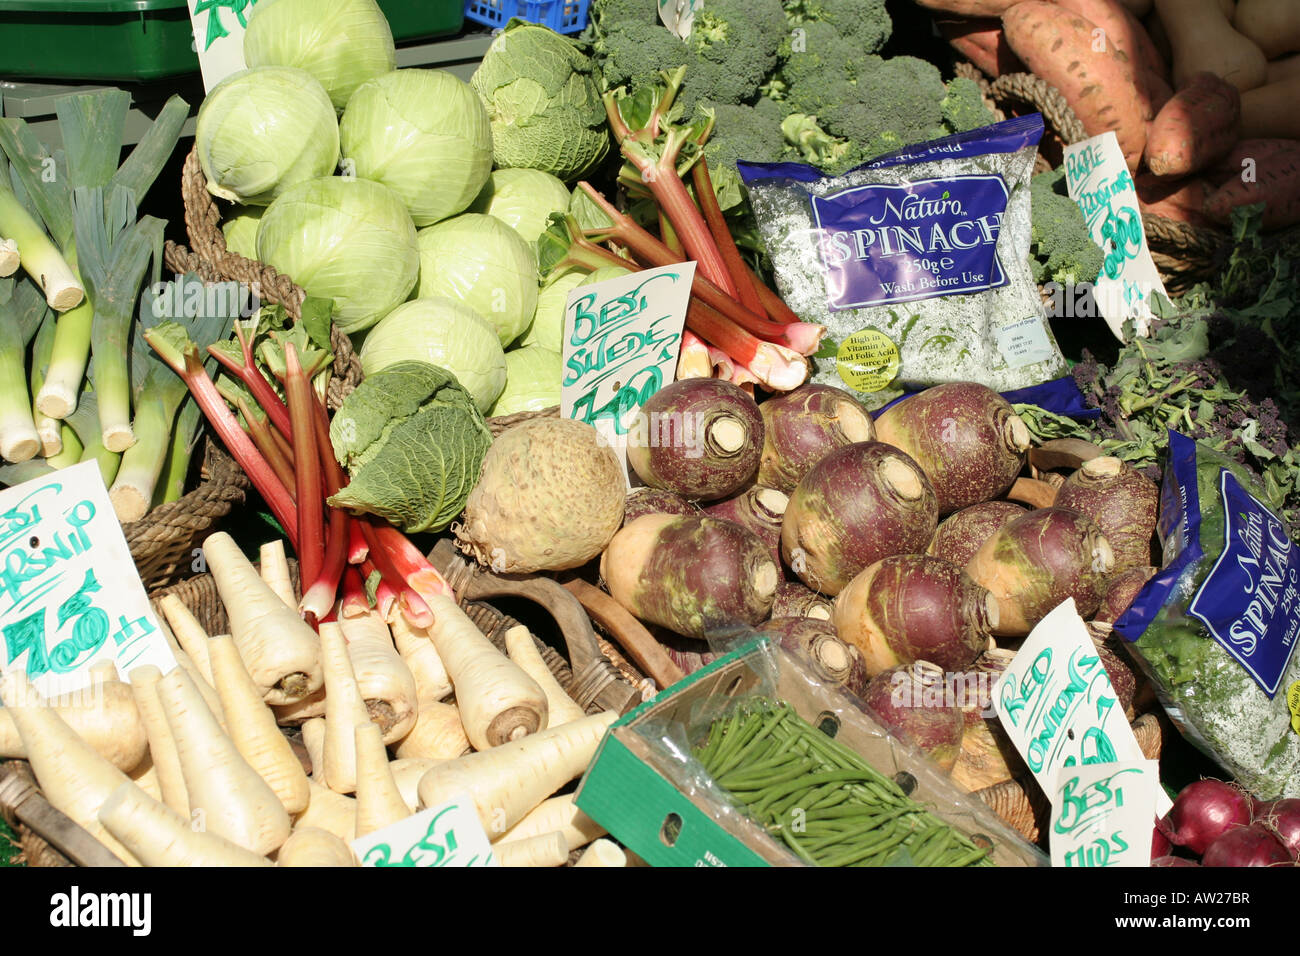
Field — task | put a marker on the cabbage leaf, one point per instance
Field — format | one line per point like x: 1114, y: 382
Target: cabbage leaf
x: 413, y: 443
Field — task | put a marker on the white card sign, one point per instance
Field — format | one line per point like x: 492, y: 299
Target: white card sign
x: 679, y: 15
x: 1057, y: 704
x: 1100, y: 183
x: 1102, y: 814
x: 70, y: 596
x: 218, y: 27
x: 621, y: 339
x: 449, y: 835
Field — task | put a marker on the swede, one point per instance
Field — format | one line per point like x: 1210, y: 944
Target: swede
x: 965, y: 437
x: 1040, y: 559
x: 801, y: 427
x: 912, y: 703
x: 757, y: 509
x: 960, y: 534
x: 649, y: 501
x: 836, y: 662
x: 794, y: 599
x: 860, y: 503
x: 1123, y: 503
x: 697, y: 576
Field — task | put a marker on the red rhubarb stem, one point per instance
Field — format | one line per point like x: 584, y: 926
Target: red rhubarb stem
x: 777, y: 368
x: 413, y: 605
x: 358, y: 547
x: 306, y: 466
x: 717, y: 225
x: 261, y: 434
x: 355, y: 601
x: 248, y: 373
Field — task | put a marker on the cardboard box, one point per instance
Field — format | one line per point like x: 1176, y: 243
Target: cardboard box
x: 645, y: 798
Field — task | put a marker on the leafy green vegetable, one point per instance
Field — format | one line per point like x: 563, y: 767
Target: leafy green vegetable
x: 413, y: 443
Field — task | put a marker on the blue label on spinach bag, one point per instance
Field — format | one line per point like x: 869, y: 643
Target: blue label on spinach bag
x: 882, y: 244
x: 1250, y: 601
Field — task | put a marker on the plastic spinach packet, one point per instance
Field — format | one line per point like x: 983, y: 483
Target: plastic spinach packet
x: 1216, y: 628
x: 917, y: 263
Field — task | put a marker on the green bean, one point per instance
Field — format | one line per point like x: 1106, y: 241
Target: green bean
x: 936, y: 843
x: 762, y: 727
x: 789, y: 839
x: 977, y: 856
x: 891, y: 839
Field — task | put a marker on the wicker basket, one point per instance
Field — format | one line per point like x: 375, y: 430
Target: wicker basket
x: 1184, y: 254
x: 48, y: 838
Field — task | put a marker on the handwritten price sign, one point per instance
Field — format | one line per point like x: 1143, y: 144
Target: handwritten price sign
x: 1099, y: 182
x: 219, y: 37
x: 1057, y: 704
x: 1102, y: 814
x: 69, y: 593
x: 621, y: 339
x: 449, y: 835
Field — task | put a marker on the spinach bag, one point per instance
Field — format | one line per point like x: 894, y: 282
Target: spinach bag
x: 1216, y: 628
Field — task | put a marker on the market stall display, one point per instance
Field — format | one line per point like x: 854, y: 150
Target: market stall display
x: 798, y: 586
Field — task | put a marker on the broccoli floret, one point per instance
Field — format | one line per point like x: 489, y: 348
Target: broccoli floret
x: 963, y: 107
x: 633, y: 54
x: 819, y: 69
x: 812, y: 144
x: 1062, y: 248
x: 751, y: 133
x: 897, y: 104
x: 864, y: 24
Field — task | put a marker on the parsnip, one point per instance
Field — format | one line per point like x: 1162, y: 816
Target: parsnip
x: 312, y: 846
x: 545, y: 849
x: 560, y: 707
x: 281, y: 652
x: 386, y: 683
x: 103, y: 715
x: 75, y: 779
x: 407, y: 772
x: 227, y: 797
x: 190, y: 634
x: 205, y: 687
x: 313, y: 738
x: 344, y: 709
x: 379, y: 802
x: 253, y: 729
x: 557, y: 813
x: 431, y: 681
x: 159, y: 836
x: 603, y: 853
x: 437, y: 734
x: 275, y: 572
x: 498, y: 702
x: 330, y: 811
x: 145, y: 776
x: 162, y: 748
x: 508, y: 781
x: 289, y: 715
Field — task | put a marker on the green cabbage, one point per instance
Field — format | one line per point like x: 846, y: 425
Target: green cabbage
x: 413, y: 443
x: 532, y: 380
x: 445, y: 333
x: 547, y: 327
x: 342, y: 43
x: 240, y: 230
x: 264, y: 130
x: 479, y: 260
x: 543, y: 101
x: 422, y: 133
x: 523, y: 199
x: 344, y: 239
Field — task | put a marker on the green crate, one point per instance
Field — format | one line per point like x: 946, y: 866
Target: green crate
x: 140, y: 40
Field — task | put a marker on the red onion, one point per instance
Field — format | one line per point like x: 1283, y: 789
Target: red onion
x: 1173, y: 861
x: 1160, y: 845
x: 1203, y: 812
x: 1283, y: 818
x: 1252, y: 845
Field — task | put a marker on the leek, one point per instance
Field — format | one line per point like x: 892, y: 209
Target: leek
x: 48, y: 428
x: 161, y: 391
x: 39, y: 256
x: 21, y: 313
x: 70, y: 448
x: 185, y: 436
x: 85, y: 422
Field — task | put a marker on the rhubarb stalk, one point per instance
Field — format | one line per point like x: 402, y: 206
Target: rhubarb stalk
x: 717, y: 225
x: 306, y: 465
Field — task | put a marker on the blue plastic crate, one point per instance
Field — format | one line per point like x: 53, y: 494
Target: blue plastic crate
x: 562, y: 16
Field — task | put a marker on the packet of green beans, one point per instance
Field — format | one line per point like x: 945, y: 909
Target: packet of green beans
x: 793, y: 769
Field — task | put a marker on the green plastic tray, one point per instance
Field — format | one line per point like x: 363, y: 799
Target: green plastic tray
x: 140, y: 40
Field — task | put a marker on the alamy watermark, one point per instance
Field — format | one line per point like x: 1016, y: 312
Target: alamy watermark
x: 667, y: 430
x: 925, y: 686
x: 188, y: 299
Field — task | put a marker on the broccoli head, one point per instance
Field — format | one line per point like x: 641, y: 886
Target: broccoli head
x: 864, y: 24
x: 814, y: 145
x: 751, y: 133
x: 963, y: 107
x: 634, y: 53
x: 1062, y: 248
x: 897, y: 104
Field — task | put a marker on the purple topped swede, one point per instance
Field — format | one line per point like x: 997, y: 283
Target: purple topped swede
x: 802, y: 426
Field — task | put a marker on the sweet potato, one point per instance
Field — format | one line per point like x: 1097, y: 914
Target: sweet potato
x: 982, y: 42
x: 1249, y: 155
x: 969, y: 8
x: 1202, y: 38
x: 1270, y: 112
x: 1277, y: 184
x: 1198, y: 125
x: 1282, y: 69
x: 1178, y: 199
x: 1100, y: 87
x: 1158, y: 89
x: 1274, y: 25
x: 1125, y: 32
